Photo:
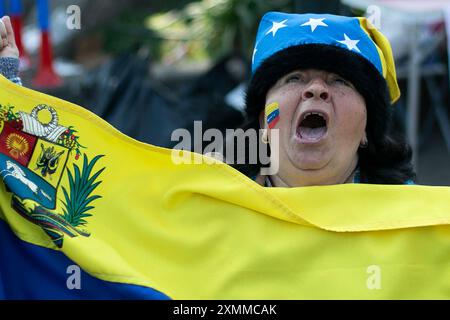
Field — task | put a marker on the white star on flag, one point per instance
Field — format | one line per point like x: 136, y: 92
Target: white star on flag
x: 351, y: 44
x: 314, y: 23
x: 253, y: 57
x: 276, y: 26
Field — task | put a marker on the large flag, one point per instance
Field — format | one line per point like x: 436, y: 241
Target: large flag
x: 79, y: 195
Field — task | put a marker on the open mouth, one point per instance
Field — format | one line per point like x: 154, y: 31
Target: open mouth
x: 313, y: 127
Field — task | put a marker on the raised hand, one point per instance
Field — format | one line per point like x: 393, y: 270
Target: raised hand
x: 8, y: 47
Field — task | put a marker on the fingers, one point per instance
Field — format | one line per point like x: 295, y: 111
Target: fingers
x: 9, y: 30
x: 3, y: 34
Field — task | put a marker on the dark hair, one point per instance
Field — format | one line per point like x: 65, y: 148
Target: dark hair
x: 387, y: 158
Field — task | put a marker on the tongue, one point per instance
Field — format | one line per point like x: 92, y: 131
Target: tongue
x: 313, y: 134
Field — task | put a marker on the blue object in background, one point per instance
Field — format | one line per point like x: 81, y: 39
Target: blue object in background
x: 43, y: 15
x: 16, y: 8
x: 2, y: 8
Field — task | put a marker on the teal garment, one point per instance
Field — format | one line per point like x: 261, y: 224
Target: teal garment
x: 356, y: 179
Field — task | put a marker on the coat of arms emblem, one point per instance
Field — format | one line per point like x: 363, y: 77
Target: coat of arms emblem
x: 34, y: 158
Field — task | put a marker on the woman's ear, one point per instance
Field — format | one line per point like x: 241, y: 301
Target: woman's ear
x: 364, y: 141
x: 263, y: 126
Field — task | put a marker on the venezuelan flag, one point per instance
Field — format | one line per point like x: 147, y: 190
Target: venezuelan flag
x: 272, y: 111
x: 77, y: 193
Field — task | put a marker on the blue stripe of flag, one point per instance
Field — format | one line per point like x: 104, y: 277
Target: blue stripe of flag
x: 273, y: 115
x: 32, y: 272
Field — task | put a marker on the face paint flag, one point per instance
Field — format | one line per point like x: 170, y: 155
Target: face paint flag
x: 272, y: 114
x: 140, y: 225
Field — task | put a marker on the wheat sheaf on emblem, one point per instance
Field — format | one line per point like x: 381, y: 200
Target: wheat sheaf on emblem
x: 17, y: 145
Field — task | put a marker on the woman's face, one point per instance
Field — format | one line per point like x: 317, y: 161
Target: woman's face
x: 322, y: 121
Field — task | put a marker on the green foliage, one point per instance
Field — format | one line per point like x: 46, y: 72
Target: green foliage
x: 198, y: 30
x: 128, y: 33
x: 78, y: 200
x: 212, y: 28
x: 70, y: 139
x: 7, y: 113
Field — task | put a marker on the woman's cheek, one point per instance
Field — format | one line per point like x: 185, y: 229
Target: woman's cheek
x: 355, y: 120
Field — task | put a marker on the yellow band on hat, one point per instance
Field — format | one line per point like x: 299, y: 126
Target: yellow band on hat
x: 387, y: 58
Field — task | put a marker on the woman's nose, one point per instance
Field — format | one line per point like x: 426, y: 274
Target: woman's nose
x: 316, y: 89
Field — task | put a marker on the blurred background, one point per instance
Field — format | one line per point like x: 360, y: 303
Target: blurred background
x: 149, y: 67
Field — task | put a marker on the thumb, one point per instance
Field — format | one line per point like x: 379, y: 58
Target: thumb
x: 9, y: 31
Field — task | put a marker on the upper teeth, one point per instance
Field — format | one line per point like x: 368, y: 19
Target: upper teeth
x: 311, y: 113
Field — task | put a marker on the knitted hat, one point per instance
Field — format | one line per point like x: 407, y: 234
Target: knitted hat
x: 350, y: 47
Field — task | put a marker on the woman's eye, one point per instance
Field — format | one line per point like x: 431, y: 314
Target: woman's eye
x: 293, y: 78
x: 341, y: 81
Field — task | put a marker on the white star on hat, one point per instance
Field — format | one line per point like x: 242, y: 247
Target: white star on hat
x: 276, y: 26
x: 314, y: 23
x: 253, y: 56
x: 351, y: 44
